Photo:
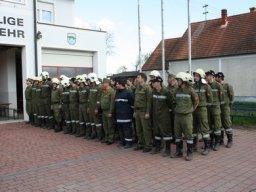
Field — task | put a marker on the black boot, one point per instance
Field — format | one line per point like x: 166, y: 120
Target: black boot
x: 156, y: 149
x: 195, y: 144
x: 189, y: 156
x: 179, y: 150
x: 222, y: 137
x: 206, y: 147
x: 58, y: 128
x: 167, y: 151
x: 82, y: 130
x: 73, y: 128
x: 68, y: 128
x: 212, y: 140
x: 230, y: 140
x: 217, y: 143
x: 128, y: 144
x: 88, y: 131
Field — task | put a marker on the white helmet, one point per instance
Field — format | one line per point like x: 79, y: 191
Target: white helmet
x: 63, y: 77
x: 93, y: 77
x: 189, y: 77
x: 154, y: 73
x: 80, y: 79
x: 55, y: 80
x: 200, y: 72
x: 182, y: 75
x: 65, y: 82
x: 45, y: 74
x: 85, y: 76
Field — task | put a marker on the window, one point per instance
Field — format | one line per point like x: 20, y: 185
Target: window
x: 46, y: 16
x: 45, y: 12
x: 68, y: 71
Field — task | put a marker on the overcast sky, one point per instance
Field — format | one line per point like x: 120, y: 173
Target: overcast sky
x: 119, y: 17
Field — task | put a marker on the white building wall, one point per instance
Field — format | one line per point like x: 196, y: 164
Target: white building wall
x: 238, y: 70
x: 62, y: 10
x: 55, y: 37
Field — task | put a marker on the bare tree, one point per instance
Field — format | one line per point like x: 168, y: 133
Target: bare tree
x: 121, y: 69
x: 144, y: 58
x: 110, y: 43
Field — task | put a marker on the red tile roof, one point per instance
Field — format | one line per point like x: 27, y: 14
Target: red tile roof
x: 210, y: 39
x: 155, y: 60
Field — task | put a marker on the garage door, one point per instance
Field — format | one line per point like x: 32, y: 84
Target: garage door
x: 54, y: 57
x: 69, y: 63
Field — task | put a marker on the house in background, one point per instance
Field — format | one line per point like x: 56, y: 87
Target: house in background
x: 37, y: 35
x: 227, y: 44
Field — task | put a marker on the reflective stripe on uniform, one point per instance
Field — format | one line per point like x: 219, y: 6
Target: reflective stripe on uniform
x: 157, y: 138
x: 45, y: 116
x: 217, y: 132
x: 98, y: 102
x: 189, y: 141
x: 170, y: 110
x: 68, y: 122
x: 92, y: 124
x: 215, y: 90
x: 159, y: 97
x: 200, y: 91
x: 228, y: 130
x: 121, y: 100
x: 82, y: 123
x: 88, y: 123
x: 167, y: 138
x: 93, y: 90
x: 183, y: 95
x: 98, y: 125
x: 51, y: 117
x: 65, y: 93
x: 123, y: 120
x: 206, y: 136
x: 73, y: 91
x: 127, y: 139
x: 177, y: 140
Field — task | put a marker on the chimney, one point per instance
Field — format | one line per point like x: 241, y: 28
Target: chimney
x: 252, y: 9
x: 224, y: 17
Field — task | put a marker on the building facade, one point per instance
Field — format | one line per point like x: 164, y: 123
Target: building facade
x: 39, y: 35
x: 227, y: 45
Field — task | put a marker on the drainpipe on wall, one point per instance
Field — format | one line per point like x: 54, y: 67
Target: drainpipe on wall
x: 35, y: 37
x: 220, y: 63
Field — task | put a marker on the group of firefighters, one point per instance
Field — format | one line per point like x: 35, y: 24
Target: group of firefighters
x: 136, y: 110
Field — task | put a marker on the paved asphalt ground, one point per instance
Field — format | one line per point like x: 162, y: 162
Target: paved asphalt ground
x: 36, y: 160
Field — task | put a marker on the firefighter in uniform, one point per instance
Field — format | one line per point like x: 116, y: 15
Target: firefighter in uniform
x: 215, y: 113
x: 186, y: 102
x: 65, y: 105
x: 161, y: 104
x: 38, y: 101
x: 83, y: 105
x: 172, y: 87
x: 124, y: 100
x: 28, y: 97
x: 225, y: 109
x: 73, y: 106
x: 56, y: 104
x: 95, y: 130
x: 46, y: 116
x: 33, y: 95
x: 142, y: 109
x: 107, y: 106
x: 201, y: 125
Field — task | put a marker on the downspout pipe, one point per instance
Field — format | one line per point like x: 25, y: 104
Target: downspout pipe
x: 35, y: 37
